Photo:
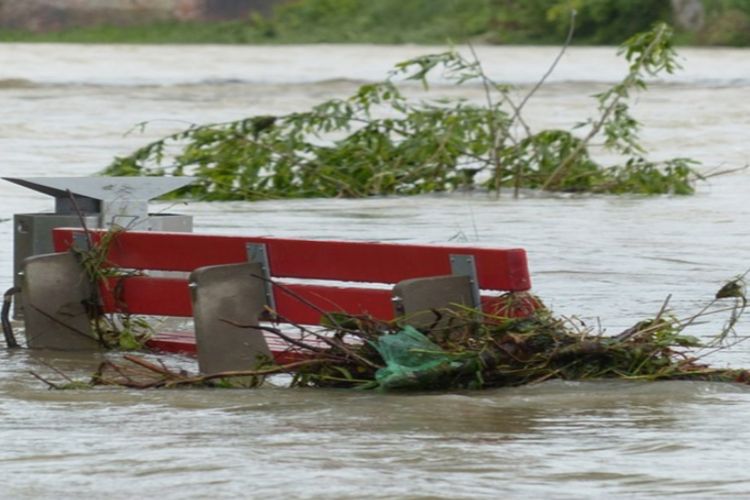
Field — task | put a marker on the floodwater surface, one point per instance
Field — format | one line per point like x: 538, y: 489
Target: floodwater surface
x: 611, y: 261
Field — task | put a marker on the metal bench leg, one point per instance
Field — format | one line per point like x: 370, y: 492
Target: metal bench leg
x: 54, y: 291
x: 224, y: 297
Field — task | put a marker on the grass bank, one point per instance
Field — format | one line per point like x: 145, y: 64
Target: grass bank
x: 727, y: 22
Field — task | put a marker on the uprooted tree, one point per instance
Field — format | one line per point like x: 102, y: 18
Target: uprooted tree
x: 379, y: 142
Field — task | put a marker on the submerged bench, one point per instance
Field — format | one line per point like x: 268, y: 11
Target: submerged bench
x: 227, y: 283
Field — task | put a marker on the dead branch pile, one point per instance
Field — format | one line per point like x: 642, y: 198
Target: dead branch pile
x: 467, y: 349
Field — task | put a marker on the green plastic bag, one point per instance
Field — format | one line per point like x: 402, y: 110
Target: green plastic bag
x: 413, y: 361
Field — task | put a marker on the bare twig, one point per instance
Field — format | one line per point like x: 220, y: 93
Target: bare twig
x: 50, y: 384
x: 551, y: 69
x: 161, y: 370
x: 567, y: 163
x: 248, y: 373
x: 81, y: 218
x: 56, y: 370
x: 168, y: 378
x: 277, y: 332
x: 724, y: 172
x: 332, y: 342
x: 64, y: 325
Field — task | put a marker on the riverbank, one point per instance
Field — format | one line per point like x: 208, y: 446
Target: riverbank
x: 721, y: 23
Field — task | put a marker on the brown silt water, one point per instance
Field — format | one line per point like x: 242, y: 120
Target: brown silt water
x: 613, y: 260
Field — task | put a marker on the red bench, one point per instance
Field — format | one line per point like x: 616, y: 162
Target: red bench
x: 332, y: 276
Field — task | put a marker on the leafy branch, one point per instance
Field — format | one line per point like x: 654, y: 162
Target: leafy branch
x: 648, y: 53
x: 379, y: 142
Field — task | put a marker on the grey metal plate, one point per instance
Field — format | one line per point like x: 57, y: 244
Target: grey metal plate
x: 33, y: 236
x: 54, y: 290
x: 223, y: 297
x: 103, y: 188
x: 416, y: 298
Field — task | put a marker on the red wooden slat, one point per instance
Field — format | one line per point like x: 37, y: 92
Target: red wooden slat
x: 187, y: 342
x: 177, y: 343
x: 184, y: 342
x: 170, y: 297
x: 147, y: 295
x: 370, y: 301
x: 498, y: 269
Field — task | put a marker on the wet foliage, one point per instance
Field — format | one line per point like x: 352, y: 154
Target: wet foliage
x: 379, y: 142
x: 112, y: 331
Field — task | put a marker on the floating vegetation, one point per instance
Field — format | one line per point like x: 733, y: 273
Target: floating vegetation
x: 468, y: 349
x: 379, y: 142
x: 121, y: 331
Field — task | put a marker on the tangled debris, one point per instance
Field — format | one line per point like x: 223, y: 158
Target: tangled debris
x: 468, y: 349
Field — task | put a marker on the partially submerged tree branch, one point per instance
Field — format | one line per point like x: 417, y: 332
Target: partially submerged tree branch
x: 378, y: 142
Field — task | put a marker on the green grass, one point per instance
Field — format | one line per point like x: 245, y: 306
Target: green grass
x: 152, y: 33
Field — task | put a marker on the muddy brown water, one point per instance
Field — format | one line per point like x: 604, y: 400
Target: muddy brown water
x: 65, y: 110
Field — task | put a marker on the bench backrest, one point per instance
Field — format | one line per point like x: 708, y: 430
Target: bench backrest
x: 351, y: 266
